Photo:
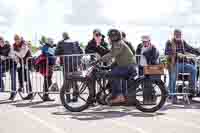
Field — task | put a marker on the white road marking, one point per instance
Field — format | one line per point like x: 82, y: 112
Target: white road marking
x: 44, y: 123
x: 126, y: 125
x: 186, y: 123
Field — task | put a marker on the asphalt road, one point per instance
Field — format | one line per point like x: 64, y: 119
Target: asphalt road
x: 50, y: 117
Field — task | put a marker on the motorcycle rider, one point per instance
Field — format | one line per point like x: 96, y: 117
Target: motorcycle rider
x: 125, y: 63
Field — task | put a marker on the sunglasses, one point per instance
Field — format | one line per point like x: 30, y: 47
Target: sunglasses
x: 97, y: 35
x: 145, y: 41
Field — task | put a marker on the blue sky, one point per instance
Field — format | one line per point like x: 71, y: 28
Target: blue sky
x: 33, y: 18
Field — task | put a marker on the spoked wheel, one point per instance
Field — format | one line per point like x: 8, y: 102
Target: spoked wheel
x: 102, y: 95
x: 104, y: 92
x: 76, y: 96
x: 150, y: 95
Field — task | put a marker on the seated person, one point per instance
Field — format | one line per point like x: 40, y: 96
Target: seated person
x: 125, y: 63
x: 174, y: 50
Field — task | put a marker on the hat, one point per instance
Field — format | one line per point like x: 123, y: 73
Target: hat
x: 177, y: 31
x: 96, y: 31
x: 65, y: 35
x: 145, y: 38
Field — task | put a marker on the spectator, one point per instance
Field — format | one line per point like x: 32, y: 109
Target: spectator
x: 29, y: 46
x: 22, y: 53
x: 68, y: 47
x: 7, y: 43
x: 43, y: 40
x: 128, y: 43
x: 97, y: 44
x: 175, y: 50
x: 5, y: 65
x: 46, y: 61
x: 147, y: 55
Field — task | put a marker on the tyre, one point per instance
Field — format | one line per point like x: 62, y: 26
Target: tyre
x: 151, y: 95
x: 103, y: 92
x: 76, y: 96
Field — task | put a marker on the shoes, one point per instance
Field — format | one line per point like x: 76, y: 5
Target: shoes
x: 1, y: 89
x: 47, y: 98
x: 74, y: 99
x: 54, y: 87
x: 118, y: 100
x: 20, y: 90
x: 12, y: 96
x: 174, y: 100
x: 29, y: 97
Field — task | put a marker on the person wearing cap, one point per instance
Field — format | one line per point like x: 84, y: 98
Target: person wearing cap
x: 22, y: 53
x: 147, y: 54
x: 67, y: 47
x: 6, y: 63
x: 128, y: 43
x: 175, y: 50
x: 125, y: 66
x: 97, y: 44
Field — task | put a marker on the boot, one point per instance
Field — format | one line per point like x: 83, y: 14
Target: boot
x: 118, y: 100
x: 12, y: 96
x: 29, y: 97
x: 47, y: 98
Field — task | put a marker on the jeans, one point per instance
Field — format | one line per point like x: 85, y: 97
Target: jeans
x: 182, y: 68
x: 22, y: 76
x: 119, y: 82
x: 47, y: 83
x: 12, y: 74
x: 13, y: 71
x: 2, y: 71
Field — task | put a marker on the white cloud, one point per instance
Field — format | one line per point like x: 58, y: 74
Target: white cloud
x: 129, y: 10
x: 2, y: 19
x: 79, y: 17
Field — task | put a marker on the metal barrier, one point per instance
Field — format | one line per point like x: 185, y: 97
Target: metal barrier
x: 47, y: 73
x: 41, y: 75
x: 12, y: 75
x: 183, y: 79
x: 5, y: 78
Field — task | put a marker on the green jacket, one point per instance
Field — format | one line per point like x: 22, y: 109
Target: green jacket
x: 121, y: 53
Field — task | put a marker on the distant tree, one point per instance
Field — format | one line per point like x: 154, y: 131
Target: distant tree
x: 34, y: 49
x: 82, y: 45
